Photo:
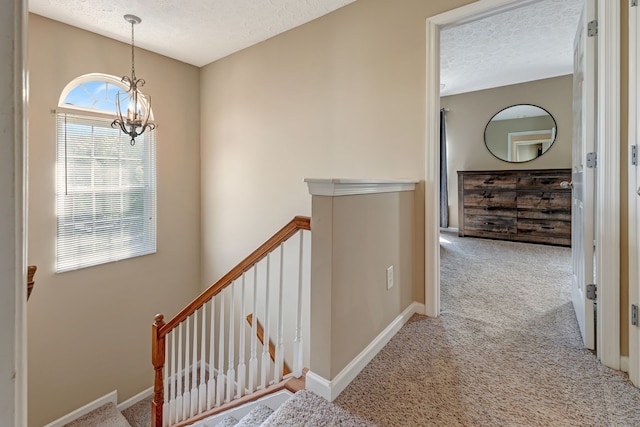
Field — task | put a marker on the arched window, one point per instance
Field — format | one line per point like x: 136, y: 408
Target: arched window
x: 105, y: 187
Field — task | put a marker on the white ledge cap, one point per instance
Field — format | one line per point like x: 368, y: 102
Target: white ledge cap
x: 350, y: 187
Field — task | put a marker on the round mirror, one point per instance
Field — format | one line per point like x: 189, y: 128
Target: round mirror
x: 520, y: 133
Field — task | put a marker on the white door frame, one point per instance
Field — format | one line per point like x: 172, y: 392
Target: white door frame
x: 608, y: 172
x: 634, y: 200
x: 13, y: 298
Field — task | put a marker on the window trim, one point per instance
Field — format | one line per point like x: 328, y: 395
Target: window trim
x: 92, y: 77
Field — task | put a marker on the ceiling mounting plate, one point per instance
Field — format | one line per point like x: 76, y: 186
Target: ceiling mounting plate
x: 132, y: 19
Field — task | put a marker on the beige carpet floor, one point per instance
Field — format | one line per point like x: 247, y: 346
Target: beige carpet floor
x: 506, y: 350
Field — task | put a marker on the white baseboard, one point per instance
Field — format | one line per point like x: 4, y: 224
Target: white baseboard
x: 135, y: 399
x: 89, y: 407
x: 624, y: 364
x: 330, y: 389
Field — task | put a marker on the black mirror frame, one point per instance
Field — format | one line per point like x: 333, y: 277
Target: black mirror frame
x: 516, y: 105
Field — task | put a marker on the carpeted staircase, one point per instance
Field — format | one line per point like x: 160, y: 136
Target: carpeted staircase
x: 303, y: 408
x: 255, y: 418
x: 105, y: 416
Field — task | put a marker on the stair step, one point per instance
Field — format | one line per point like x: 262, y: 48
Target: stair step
x: 105, y: 416
x: 256, y: 417
x: 227, y: 422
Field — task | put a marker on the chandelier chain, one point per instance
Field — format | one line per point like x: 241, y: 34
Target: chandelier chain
x: 133, y: 57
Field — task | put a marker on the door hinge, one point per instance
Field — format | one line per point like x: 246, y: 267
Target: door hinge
x: 592, y: 28
x: 634, y: 3
x: 592, y: 159
x: 592, y: 291
x: 634, y: 155
x: 634, y: 315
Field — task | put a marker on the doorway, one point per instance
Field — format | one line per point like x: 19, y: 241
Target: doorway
x: 607, y: 176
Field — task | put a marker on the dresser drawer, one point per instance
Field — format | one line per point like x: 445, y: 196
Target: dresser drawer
x: 551, y: 214
x: 544, y: 228
x: 489, y: 224
x: 491, y: 211
x: 490, y: 199
x: 544, y: 200
x: 489, y: 181
x: 551, y: 181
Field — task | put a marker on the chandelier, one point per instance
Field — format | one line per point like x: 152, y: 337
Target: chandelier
x: 135, y: 120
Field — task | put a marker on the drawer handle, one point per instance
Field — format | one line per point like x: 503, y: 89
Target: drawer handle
x: 488, y: 181
x: 548, y: 212
x: 488, y: 196
x: 546, y: 197
x: 547, y: 227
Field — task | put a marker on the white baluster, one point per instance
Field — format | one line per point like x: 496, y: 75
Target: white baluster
x: 253, y: 362
x: 194, y: 367
x: 221, y: 378
x: 242, y: 368
x: 297, y: 341
x: 179, y: 373
x: 279, y: 359
x: 174, y: 395
x: 186, y: 395
x: 167, y: 398
x: 211, y: 384
x: 202, y: 392
x: 266, y: 359
x: 231, y: 373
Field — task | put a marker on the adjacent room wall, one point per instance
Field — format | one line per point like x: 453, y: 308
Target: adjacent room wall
x: 470, y: 112
x: 89, y: 330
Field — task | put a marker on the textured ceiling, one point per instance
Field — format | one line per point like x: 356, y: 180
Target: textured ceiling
x: 531, y: 42
x: 526, y: 43
x: 194, y: 31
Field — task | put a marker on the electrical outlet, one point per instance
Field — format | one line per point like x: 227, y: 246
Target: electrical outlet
x: 390, y: 277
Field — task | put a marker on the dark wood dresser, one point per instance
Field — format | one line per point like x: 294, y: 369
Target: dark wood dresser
x: 522, y: 205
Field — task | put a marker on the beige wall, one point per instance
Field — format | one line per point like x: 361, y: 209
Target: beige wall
x: 342, y: 96
x: 470, y: 112
x: 89, y: 330
x: 355, y: 239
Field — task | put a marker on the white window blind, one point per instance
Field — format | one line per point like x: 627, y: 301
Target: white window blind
x: 105, y: 193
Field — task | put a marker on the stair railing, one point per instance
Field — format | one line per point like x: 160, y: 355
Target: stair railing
x: 197, y: 368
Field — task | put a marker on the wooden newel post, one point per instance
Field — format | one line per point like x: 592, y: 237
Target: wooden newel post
x: 157, y: 358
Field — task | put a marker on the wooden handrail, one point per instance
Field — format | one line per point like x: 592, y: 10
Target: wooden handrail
x: 296, y: 224
x: 272, y: 348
